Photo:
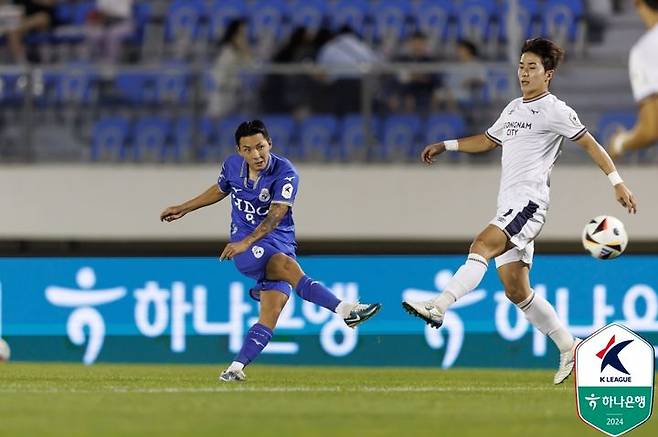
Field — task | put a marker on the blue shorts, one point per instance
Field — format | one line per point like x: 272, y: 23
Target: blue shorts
x: 253, y: 263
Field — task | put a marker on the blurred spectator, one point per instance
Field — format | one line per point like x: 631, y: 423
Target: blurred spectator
x: 411, y: 91
x: 108, y: 25
x: 464, y: 82
x: 35, y: 15
x: 343, y: 57
x: 234, y: 52
x: 291, y: 92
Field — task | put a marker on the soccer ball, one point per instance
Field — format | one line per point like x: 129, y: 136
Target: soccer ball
x: 5, y: 352
x: 605, y: 237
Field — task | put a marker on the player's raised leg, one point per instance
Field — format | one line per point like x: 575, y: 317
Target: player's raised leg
x: 281, y: 267
x: 491, y: 242
x: 271, y: 305
x: 539, y: 312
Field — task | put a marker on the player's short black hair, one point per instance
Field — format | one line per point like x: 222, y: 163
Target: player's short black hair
x: 249, y: 128
x: 653, y: 4
x: 550, y: 53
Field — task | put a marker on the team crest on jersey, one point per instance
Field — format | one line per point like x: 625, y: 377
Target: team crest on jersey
x: 257, y: 251
x: 264, y: 195
x: 286, y: 191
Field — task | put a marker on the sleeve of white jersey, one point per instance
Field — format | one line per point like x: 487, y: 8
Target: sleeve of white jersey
x: 495, y: 132
x: 643, y: 71
x: 564, y: 121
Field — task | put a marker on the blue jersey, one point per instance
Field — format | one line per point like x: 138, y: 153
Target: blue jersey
x: 251, y: 200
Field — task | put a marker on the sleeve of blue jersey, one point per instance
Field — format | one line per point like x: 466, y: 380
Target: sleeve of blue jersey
x: 222, y: 179
x: 285, y: 186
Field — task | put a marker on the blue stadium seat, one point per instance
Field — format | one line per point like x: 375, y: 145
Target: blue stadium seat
x: 171, y: 83
x: 135, y: 86
x: 141, y: 14
x: 12, y: 88
x: 433, y: 18
x: 308, y: 13
x: 475, y: 19
x: 109, y: 139
x: 442, y: 126
x: 266, y: 20
x: 561, y: 19
x: 529, y: 16
x: 183, y: 20
x: 226, y: 135
x: 613, y: 120
x: 220, y: 13
x: 73, y: 84
x: 352, y: 139
x: 390, y: 19
x: 352, y: 13
x: 281, y: 128
x: 151, y: 140
x: 316, y: 138
x: 498, y: 85
x: 399, y: 138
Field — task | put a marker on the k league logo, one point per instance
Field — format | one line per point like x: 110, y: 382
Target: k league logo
x: 614, y: 380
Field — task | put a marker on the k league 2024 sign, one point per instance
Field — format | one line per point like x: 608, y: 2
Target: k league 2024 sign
x: 198, y: 310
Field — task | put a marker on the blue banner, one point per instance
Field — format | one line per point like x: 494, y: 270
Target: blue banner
x: 198, y: 310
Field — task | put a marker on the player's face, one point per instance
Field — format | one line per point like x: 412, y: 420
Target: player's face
x: 533, y: 78
x: 255, y: 150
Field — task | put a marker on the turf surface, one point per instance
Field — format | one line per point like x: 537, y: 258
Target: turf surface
x: 164, y: 400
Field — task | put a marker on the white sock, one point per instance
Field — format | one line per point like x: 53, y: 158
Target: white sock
x: 235, y: 366
x: 542, y: 315
x: 468, y: 277
x: 344, y: 308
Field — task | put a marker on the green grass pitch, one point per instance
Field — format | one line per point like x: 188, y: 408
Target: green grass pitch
x: 166, y: 400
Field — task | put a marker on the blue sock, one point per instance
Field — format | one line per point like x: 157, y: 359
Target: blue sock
x: 317, y: 293
x: 257, y: 338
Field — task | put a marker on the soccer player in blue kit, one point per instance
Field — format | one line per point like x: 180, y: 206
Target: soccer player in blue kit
x: 262, y: 187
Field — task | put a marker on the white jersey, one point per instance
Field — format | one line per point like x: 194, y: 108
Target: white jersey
x: 531, y: 135
x: 643, y: 65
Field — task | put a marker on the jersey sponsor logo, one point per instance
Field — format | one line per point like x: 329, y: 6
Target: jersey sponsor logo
x: 533, y: 111
x: 512, y: 127
x: 257, y: 251
x: 289, y: 178
x: 264, y: 195
x: 286, y: 191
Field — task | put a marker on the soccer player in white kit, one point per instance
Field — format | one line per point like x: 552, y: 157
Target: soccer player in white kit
x: 643, y: 69
x: 530, y: 130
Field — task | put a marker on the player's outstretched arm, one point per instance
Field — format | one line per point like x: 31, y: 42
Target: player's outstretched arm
x: 208, y: 197
x: 602, y: 159
x: 475, y: 144
x: 643, y: 134
x: 270, y: 222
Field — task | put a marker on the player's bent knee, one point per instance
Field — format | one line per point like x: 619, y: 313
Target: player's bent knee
x: 516, y: 294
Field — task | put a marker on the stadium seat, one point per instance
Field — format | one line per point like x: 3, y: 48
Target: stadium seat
x: 613, y: 120
x: 390, y: 19
x: 308, y: 13
x: 135, y: 86
x: 399, y: 138
x: 316, y: 138
x: 434, y: 19
x: 220, y: 13
x: 529, y: 18
x: 150, y: 140
x: 267, y: 20
x: 563, y: 19
x: 281, y: 128
x: 475, y: 19
x: 183, y: 20
x: 12, y: 88
x: 109, y: 139
x: 352, y: 139
x: 73, y: 84
x: 172, y: 83
x: 225, y: 131
x: 350, y: 13
x: 499, y: 84
x: 442, y: 126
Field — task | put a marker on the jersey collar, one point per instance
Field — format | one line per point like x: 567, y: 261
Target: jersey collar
x: 534, y: 99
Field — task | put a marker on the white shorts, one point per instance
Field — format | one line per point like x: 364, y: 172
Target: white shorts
x: 521, y: 222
